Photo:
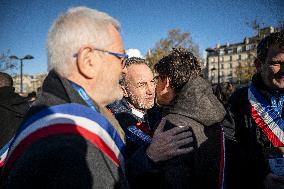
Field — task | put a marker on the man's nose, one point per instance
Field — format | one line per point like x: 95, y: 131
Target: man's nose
x: 150, y: 88
x: 124, y: 70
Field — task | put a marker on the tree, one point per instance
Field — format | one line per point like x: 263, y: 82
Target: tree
x: 246, y: 69
x: 176, y: 38
x: 6, y: 64
x: 255, y: 25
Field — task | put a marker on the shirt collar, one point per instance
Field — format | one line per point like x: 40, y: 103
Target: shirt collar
x: 137, y: 113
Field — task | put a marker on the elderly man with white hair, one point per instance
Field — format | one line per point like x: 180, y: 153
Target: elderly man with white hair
x: 68, y: 138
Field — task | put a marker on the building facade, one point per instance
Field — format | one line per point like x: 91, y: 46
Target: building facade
x: 30, y: 82
x: 234, y: 62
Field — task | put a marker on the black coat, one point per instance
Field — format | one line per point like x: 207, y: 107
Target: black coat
x: 247, y: 150
x: 64, y: 160
x: 140, y: 170
x: 12, y: 110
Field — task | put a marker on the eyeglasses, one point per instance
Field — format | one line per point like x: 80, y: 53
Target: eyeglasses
x: 120, y: 56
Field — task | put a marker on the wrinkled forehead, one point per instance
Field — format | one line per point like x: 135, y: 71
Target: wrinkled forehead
x: 139, y: 72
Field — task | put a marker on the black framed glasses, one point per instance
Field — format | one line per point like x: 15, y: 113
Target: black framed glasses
x: 120, y: 56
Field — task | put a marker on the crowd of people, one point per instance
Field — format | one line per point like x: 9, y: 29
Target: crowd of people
x: 103, y: 120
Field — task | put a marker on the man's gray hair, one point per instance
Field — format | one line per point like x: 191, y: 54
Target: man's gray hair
x: 129, y: 62
x: 77, y: 27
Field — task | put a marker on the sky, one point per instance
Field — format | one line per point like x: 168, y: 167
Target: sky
x: 25, y: 23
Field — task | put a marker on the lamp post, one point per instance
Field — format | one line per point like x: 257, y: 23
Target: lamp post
x: 215, y: 51
x: 27, y: 57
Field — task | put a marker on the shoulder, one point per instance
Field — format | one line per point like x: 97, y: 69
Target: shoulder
x: 76, y: 160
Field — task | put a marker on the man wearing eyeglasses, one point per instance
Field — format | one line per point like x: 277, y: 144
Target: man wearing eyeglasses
x: 68, y: 138
x: 139, y: 92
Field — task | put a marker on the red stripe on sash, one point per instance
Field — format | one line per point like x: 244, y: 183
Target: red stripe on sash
x: 264, y: 127
x: 61, y: 129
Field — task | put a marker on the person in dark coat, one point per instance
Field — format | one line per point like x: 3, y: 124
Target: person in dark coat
x: 12, y: 110
x: 258, y: 114
x: 68, y: 138
x: 132, y: 113
x: 188, y: 100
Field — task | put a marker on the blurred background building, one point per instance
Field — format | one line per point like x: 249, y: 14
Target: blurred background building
x: 234, y: 62
x: 30, y: 82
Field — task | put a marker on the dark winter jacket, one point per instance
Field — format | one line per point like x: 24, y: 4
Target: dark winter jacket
x: 140, y: 170
x: 251, y: 142
x: 63, y: 160
x: 196, y: 106
x: 12, y: 110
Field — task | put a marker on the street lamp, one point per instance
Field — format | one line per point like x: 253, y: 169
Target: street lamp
x: 210, y: 50
x: 27, y: 57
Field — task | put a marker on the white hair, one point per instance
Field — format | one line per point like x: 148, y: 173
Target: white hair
x: 79, y: 26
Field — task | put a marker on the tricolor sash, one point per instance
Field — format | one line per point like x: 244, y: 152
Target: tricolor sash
x: 4, y: 152
x: 69, y: 119
x: 137, y: 135
x: 267, y: 117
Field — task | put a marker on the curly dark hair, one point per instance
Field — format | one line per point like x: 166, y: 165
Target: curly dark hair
x: 274, y: 39
x: 180, y: 66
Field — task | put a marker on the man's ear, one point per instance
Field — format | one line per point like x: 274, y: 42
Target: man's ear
x: 86, y: 63
x: 125, y: 94
x: 257, y: 64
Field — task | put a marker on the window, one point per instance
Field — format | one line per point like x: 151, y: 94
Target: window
x: 240, y: 57
x: 230, y: 73
x: 239, y: 49
x: 231, y: 58
x: 230, y: 65
x: 221, y: 52
x: 230, y: 51
x: 249, y: 47
x: 222, y: 66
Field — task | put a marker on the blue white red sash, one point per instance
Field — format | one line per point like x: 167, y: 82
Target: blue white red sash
x: 267, y: 117
x: 4, y: 152
x: 69, y: 119
x: 137, y: 135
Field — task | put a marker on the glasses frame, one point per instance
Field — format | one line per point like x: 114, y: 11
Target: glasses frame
x: 120, y: 56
